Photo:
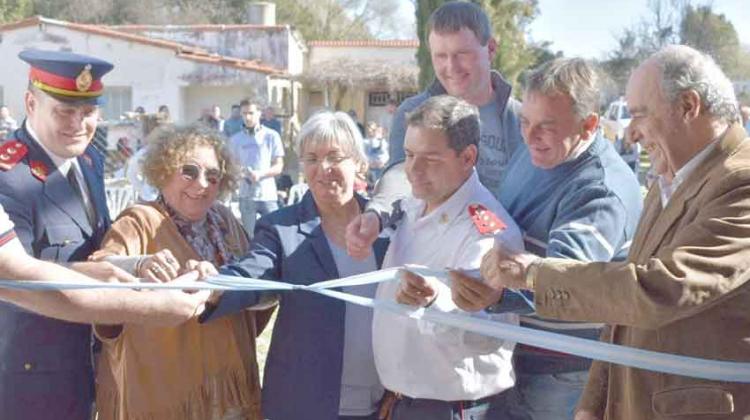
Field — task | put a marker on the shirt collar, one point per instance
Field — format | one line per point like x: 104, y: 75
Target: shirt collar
x: 62, y: 164
x: 449, y: 210
x: 668, y: 188
x: 253, y: 131
x: 580, y: 148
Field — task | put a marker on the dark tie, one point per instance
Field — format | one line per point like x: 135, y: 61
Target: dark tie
x: 73, y: 181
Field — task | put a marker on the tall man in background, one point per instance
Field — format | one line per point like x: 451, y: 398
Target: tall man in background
x: 462, y: 50
x: 260, y: 153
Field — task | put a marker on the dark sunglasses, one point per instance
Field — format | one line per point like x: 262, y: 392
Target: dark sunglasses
x: 191, y: 173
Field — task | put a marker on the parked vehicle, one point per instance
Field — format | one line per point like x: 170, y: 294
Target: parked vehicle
x: 616, y: 120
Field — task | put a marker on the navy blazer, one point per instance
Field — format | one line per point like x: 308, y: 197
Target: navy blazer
x: 302, y: 378
x: 45, y: 364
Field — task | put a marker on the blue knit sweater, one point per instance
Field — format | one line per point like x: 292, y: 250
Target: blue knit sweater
x: 585, y: 209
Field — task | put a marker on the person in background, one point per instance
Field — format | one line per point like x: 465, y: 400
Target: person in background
x: 211, y: 118
x: 376, y: 148
x: 260, y: 154
x: 353, y: 114
x: 233, y: 124
x: 630, y: 153
x: 163, y: 116
x: 745, y: 112
x: 320, y: 364
x: 217, y: 119
x: 386, y: 119
x: 8, y: 124
x: 144, y: 191
x: 191, y: 371
x: 269, y: 120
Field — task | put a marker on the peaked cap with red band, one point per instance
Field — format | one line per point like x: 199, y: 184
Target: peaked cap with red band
x: 67, y: 76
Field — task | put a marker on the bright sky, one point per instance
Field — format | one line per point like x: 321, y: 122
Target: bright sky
x: 589, y: 28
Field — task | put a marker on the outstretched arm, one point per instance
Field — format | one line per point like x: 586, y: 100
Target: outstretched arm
x: 93, y: 306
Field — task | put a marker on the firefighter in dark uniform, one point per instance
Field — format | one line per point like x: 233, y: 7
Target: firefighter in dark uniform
x: 52, y: 187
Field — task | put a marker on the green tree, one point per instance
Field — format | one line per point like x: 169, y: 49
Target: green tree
x: 423, y: 10
x: 322, y: 19
x: 656, y: 29
x: 13, y: 10
x: 510, y: 19
x: 713, y: 34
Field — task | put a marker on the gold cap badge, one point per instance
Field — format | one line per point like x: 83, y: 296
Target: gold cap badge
x: 84, y: 79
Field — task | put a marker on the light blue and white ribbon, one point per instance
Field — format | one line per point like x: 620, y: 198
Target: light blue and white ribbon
x: 628, y: 356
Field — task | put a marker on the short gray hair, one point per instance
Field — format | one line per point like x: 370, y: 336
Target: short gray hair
x: 328, y: 127
x: 685, y: 68
x: 455, y: 15
x: 574, y: 77
x: 458, y: 119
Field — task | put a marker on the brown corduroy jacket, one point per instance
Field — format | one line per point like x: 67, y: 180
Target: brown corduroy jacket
x: 683, y: 290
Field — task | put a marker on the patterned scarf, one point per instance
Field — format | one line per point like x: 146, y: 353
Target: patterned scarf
x: 206, y: 237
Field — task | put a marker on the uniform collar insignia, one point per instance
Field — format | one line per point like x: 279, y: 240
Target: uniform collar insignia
x: 39, y: 170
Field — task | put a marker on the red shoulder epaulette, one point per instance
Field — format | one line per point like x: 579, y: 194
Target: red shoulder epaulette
x: 485, y: 221
x: 11, y: 152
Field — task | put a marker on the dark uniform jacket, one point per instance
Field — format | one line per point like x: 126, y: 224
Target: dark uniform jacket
x: 45, y: 364
x: 302, y: 378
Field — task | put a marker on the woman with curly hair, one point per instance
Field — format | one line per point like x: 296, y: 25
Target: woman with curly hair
x: 194, y: 371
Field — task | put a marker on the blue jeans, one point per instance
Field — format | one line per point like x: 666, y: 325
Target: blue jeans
x: 250, y: 209
x: 548, y: 396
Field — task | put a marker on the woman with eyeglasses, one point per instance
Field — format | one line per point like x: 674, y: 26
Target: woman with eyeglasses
x: 194, y: 371
x: 320, y: 364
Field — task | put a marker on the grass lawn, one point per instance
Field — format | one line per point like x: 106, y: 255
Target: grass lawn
x: 263, y: 342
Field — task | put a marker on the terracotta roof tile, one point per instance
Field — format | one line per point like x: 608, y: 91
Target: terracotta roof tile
x: 183, y: 51
x: 395, y: 43
x: 200, y: 28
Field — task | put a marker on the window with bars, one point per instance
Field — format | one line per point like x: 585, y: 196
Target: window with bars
x: 382, y: 98
x: 117, y: 101
x: 379, y: 98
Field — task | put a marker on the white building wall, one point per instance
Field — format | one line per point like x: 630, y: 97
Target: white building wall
x: 156, y: 75
x: 297, y: 52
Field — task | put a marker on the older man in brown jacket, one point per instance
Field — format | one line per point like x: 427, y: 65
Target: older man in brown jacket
x: 683, y: 288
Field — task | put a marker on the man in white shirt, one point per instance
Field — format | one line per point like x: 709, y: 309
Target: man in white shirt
x: 260, y: 153
x: 7, y: 123
x: 451, y: 221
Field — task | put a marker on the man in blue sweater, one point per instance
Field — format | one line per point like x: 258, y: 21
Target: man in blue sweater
x: 573, y: 197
